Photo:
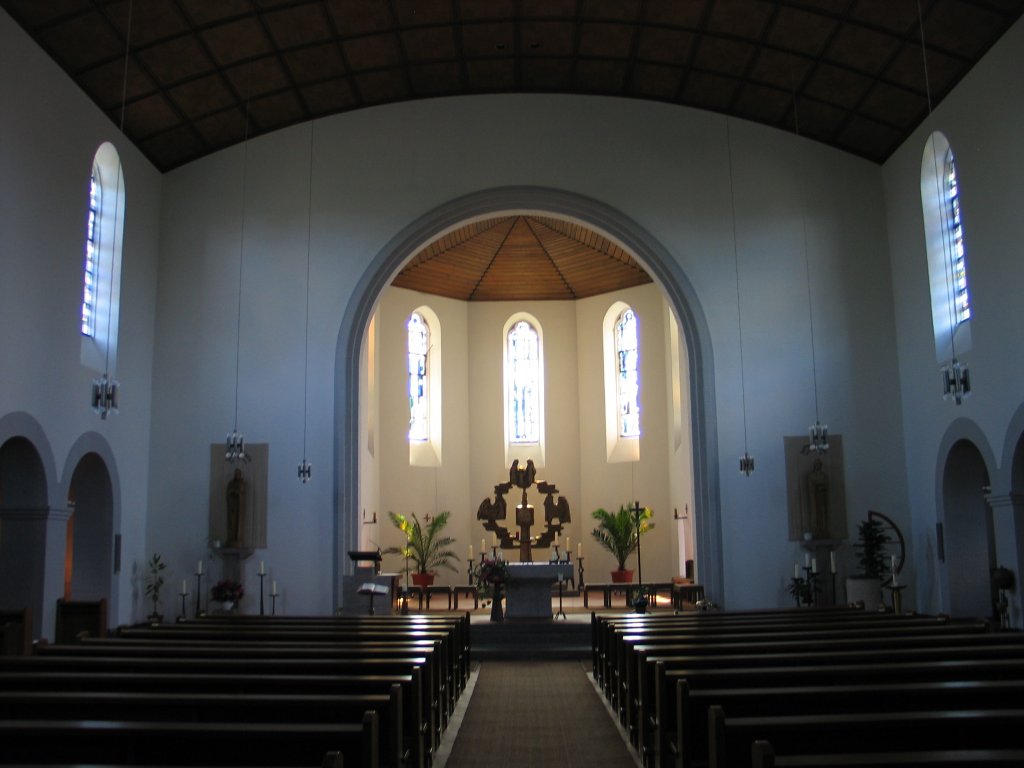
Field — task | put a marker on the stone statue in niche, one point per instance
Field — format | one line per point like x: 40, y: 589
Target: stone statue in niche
x: 238, y: 499
x: 817, y: 501
x: 235, y: 509
x: 815, y: 490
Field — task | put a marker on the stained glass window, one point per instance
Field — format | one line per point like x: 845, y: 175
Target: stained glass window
x: 955, y: 233
x: 92, y: 255
x: 524, y: 383
x: 628, y: 374
x: 418, y: 344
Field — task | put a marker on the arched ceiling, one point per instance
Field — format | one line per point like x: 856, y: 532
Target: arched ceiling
x: 513, y: 258
x: 201, y: 75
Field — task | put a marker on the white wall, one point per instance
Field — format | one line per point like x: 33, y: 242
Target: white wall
x: 48, y: 137
x: 377, y: 171
x: 982, y: 119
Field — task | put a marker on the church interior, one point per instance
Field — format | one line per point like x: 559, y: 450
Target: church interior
x: 277, y: 272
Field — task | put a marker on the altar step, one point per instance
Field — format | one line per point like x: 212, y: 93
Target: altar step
x: 530, y: 640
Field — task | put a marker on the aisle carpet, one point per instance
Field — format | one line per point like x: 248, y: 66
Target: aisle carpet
x: 536, y: 714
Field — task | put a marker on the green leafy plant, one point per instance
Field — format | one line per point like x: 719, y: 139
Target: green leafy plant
x: 620, y: 532
x: 426, y: 545
x: 155, y: 581
x: 870, y: 548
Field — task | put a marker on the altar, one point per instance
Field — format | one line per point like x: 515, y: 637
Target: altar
x: 528, y: 591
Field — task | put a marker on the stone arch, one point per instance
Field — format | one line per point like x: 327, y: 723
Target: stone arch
x: 92, y: 488
x: 655, y: 258
x: 963, y: 481
x: 26, y: 539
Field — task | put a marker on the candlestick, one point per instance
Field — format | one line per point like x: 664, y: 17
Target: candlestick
x: 579, y: 559
x: 262, y: 576
x: 184, y: 594
x: 199, y: 579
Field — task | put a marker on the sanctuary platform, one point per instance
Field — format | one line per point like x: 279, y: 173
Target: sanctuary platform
x: 530, y: 639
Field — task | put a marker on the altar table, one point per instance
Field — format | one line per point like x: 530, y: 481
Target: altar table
x: 528, y: 591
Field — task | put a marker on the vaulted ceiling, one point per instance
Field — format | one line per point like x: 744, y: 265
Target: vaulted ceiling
x: 189, y: 77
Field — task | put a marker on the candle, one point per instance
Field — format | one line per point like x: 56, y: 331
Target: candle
x: 199, y: 568
x: 470, y: 551
x: 494, y: 539
x: 807, y: 559
x: 796, y: 570
x: 273, y: 588
x: 184, y: 587
x: 556, y: 538
x: 579, y: 550
x: 814, y: 565
x: 263, y: 569
x: 567, y: 547
x: 483, y: 546
x: 832, y: 561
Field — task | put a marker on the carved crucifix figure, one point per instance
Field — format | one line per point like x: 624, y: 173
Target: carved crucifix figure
x: 555, y: 514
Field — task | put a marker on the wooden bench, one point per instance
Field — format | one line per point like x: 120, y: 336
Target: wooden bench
x: 124, y: 742
x: 466, y: 591
x: 763, y: 756
x: 669, y: 696
x: 689, y: 738
x: 16, y: 632
x: 731, y: 738
x: 439, y: 589
x: 218, y: 707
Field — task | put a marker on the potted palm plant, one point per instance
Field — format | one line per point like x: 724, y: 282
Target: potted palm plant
x: 866, y: 586
x: 619, y: 533
x: 154, y: 583
x: 426, y: 545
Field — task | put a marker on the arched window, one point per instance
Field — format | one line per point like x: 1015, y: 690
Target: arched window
x: 955, y: 234
x: 946, y: 248
x: 524, y: 382
x: 627, y: 355
x: 92, y: 236
x: 101, y: 270
x: 419, y: 402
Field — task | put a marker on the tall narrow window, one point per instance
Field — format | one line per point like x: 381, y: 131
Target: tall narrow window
x: 955, y: 235
x: 92, y: 246
x: 627, y: 374
x: 419, y: 404
x: 524, y: 374
x: 945, y: 243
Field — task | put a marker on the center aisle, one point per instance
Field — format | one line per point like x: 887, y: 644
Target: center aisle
x: 537, y: 714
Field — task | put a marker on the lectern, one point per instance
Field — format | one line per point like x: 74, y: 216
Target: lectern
x: 367, y: 580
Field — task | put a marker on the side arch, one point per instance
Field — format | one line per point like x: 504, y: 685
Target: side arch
x: 657, y: 261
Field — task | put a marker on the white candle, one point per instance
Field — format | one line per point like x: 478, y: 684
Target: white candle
x: 273, y: 588
x: 494, y: 539
x: 483, y: 545
x: 263, y: 570
x: 199, y: 568
x: 184, y: 587
x: 470, y: 551
x: 832, y: 561
x: 807, y: 559
x: 796, y: 570
x: 556, y: 538
x: 567, y: 547
x: 814, y: 565
x: 579, y: 550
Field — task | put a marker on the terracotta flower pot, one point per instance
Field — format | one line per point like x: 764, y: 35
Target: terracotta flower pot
x: 422, y: 579
x: 625, y: 576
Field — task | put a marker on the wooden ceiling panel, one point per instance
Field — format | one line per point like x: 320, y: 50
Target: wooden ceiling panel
x: 861, y: 58
x: 518, y: 258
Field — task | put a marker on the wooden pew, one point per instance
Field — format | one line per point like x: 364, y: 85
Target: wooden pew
x: 415, y: 738
x: 689, y: 736
x: 669, y: 753
x: 731, y: 738
x: 298, y: 674
x: 763, y: 756
x: 16, y: 632
x: 218, y: 707
x: 640, y: 716
x: 179, y: 743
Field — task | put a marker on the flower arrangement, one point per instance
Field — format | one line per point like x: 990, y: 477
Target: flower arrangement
x: 492, y: 573
x: 227, y: 591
